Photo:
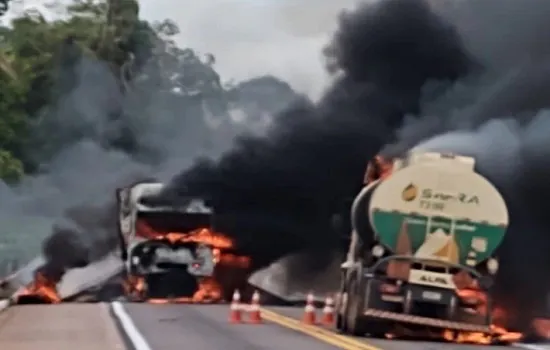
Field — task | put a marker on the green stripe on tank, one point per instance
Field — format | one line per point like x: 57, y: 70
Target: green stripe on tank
x: 388, y: 224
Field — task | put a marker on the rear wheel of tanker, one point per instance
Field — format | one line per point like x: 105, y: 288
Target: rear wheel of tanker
x: 341, y: 305
x: 481, y: 316
x: 354, y: 320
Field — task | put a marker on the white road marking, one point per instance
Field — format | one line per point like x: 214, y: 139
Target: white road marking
x: 138, y: 341
x: 4, y: 304
x: 532, y: 346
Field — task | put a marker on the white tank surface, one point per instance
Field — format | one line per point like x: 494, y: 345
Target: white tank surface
x: 435, y: 206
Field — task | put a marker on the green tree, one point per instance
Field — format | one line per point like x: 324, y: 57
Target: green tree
x: 39, y: 62
x: 11, y: 168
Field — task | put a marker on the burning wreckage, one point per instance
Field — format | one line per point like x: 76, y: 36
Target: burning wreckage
x: 425, y: 231
x: 172, y: 252
x: 421, y: 262
x: 168, y: 253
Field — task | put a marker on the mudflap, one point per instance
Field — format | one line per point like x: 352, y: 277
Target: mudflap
x: 480, y: 318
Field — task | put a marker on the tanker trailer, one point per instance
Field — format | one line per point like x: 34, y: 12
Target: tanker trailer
x: 423, y: 248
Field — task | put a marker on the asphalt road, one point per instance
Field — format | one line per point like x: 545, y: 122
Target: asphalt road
x: 296, y: 314
x: 165, y: 327
x: 60, y: 327
x: 206, y: 327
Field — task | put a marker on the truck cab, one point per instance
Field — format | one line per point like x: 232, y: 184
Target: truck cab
x: 161, y: 256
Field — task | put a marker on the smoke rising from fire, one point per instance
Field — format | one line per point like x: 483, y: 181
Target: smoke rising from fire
x: 276, y: 193
x: 474, y: 73
x: 500, y: 116
x: 72, y: 198
x: 465, y: 76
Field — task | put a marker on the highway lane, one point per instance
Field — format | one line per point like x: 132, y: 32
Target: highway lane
x: 59, y: 327
x: 119, y: 326
x: 206, y: 327
x: 294, y: 315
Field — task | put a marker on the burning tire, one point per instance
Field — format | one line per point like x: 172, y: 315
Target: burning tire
x: 32, y: 300
x: 478, y: 312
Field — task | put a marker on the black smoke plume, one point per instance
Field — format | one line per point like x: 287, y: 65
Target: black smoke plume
x: 85, y: 233
x: 465, y: 76
x: 276, y: 193
x: 500, y: 116
x: 107, y: 138
x: 408, y: 70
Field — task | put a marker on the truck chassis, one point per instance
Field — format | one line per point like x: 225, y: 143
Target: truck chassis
x: 168, y: 279
x: 371, y: 302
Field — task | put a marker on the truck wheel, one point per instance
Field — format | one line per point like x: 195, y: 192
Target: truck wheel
x: 355, y: 324
x: 462, y: 314
x: 341, y: 305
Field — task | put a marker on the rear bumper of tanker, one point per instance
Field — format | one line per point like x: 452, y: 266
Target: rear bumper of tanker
x: 416, y: 306
x: 422, y: 321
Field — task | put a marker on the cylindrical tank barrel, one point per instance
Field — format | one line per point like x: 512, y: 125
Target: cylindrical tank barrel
x: 360, y: 214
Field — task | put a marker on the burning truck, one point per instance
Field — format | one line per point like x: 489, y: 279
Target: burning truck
x: 172, y: 252
x: 425, y: 231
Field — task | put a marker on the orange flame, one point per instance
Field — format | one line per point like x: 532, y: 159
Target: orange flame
x: 209, y: 290
x: 41, y: 288
x: 202, y: 235
x: 541, y: 326
x: 378, y: 168
x: 477, y: 300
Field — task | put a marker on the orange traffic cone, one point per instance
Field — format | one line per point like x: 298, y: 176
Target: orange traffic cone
x: 328, y: 312
x: 309, y: 311
x: 255, y: 313
x: 235, y: 308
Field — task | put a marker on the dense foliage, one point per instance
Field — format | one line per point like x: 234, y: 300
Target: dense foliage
x: 39, y: 65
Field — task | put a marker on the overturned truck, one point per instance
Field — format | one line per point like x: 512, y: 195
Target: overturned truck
x: 425, y: 232
x: 171, y: 251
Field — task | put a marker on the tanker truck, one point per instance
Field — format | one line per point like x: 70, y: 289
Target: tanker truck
x: 422, y: 254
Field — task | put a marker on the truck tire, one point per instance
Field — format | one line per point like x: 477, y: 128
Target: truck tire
x: 341, y: 303
x: 354, y: 318
x: 482, y: 319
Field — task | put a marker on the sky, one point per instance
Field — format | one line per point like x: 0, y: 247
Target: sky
x: 254, y: 37
x: 250, y: 37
